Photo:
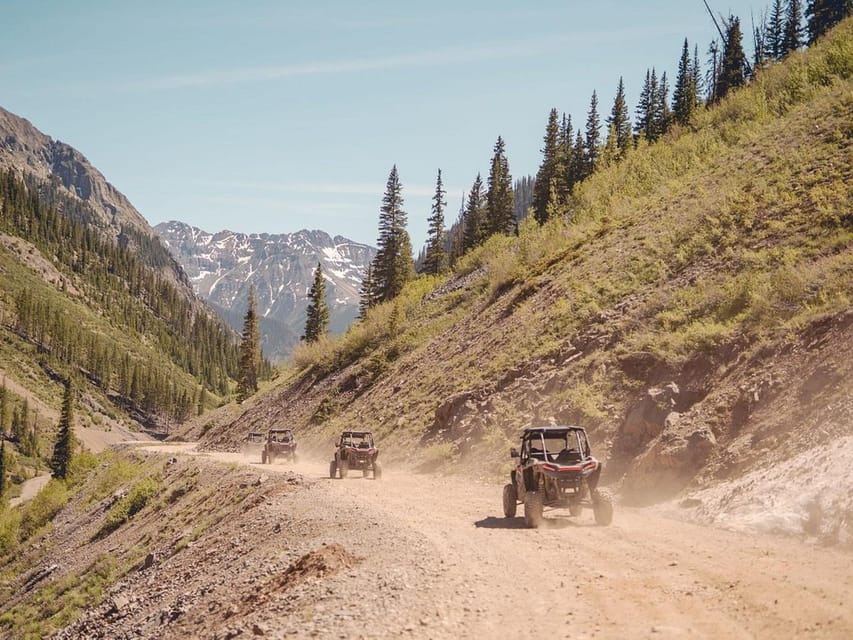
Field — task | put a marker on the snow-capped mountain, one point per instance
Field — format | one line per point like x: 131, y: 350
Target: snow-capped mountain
x: 222, y: 266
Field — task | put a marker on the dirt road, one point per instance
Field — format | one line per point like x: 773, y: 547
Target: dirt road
x: 469, y: 572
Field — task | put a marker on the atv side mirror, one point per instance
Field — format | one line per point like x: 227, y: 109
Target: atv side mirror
x: 513, y: 453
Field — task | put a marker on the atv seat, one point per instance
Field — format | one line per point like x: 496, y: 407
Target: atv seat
x: 568, y: 455
x: 538, y: 454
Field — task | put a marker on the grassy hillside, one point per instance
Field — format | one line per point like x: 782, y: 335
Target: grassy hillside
x: 75, y: 303
x: 697, y: 261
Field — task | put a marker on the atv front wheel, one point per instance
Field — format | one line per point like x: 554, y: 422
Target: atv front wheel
x: 602, y: 508
x: 344, y: 469
x: 510, y: 500
x: 263, y: 457
x: 575, y: 509
x: 533, y: 509
x: 377, y: 471
x: 333, y: 469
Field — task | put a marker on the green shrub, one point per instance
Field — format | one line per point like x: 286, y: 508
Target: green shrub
x: 130, y: 505
x: 41, y: 509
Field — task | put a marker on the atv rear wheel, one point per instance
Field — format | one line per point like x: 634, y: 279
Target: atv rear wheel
x: 510, y: 500
x: 333, y: 469
x: 533, y: 509
x: 377, y: 471
x: 575, y: 509
x: 344, y: 469
x: 602, y: 508
x: 271, y: 457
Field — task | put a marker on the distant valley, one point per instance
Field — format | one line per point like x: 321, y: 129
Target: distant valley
x: 222, y: 266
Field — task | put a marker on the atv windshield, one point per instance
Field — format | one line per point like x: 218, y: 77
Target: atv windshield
x: 281, y: 436
x: 357, y: 440
x: 554, y: 446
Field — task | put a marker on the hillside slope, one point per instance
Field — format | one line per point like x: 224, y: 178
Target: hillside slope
x: 692, y: 309
x: 87, y: 291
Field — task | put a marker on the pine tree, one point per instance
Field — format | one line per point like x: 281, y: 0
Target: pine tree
x: 548, y: 170
x: 500, y: 216
x: 792, y: 35
x: 565, y: 177
x: 645, y: 124
x: 473, y: 228
x: 733, y: 65
x: 662, y: 115
x: 713, y: 71
x: 696, y: 78
x: 775, y: 30
x: 822, y: 15
x: 683, y: 96
x: 317, y: 313
x: 367, y: 293
x: 392, y: 266
x: 619, y: 119
x: 63, y: 448
x: 250, y: 351
x: 579, y: 163
x: 435, y: 262
x: 593, y: 135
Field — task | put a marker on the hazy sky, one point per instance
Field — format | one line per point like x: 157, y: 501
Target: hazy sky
x: 273, y: 116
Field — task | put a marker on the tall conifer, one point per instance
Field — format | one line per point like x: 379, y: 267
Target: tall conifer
x: 367, y: 293
x: 435, y: 261
x: 792, y: 36
x: 548, y: 169
x: 822, y: 15
x: 317, y: 313
x: 775, y: 30
x: 63, y: 448
x: 593, y: 134
x: 473, y: 228
x: 619, y: 120
x: 250, y: 351
x: 683, y: 98
x: 392, y: 266
x: 662, y: 115
x: 733, y: 65
x: 500, y: 213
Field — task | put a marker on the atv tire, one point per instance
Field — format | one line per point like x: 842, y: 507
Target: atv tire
x: 510, y: 500
x: 377, y: 471
x: 533, y: 509
x: 344, y: 468
x: 575, y: 509
x: 263, y: 457
x: 333, y: 469
x: 602, y: 508
x: 271, y: 458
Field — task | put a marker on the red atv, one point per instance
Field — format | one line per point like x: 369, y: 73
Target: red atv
x: 355, y: 450
x: 555, y: 470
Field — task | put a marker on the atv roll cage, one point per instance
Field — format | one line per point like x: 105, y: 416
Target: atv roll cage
x: 555, y: 470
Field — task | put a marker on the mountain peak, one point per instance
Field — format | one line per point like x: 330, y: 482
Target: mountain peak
x: 223, y: 265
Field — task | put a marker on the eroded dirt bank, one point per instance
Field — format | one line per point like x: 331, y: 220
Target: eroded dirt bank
x: 420, y: 556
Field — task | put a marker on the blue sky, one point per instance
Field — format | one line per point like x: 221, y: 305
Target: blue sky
x: 281, y: 115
